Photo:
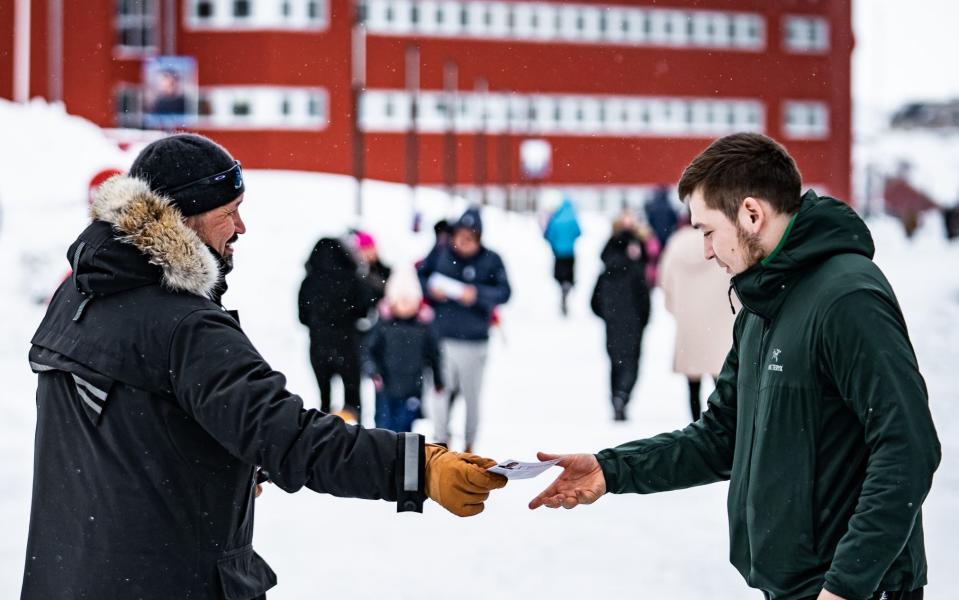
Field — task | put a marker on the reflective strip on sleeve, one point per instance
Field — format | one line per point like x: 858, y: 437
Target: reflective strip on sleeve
x: 411, y: 463
x: 92, y: 389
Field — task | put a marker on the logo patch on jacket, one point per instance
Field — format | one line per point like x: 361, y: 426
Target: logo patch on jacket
x: 774, y: 365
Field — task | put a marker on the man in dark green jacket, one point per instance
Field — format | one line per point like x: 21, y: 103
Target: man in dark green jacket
x: 820, y: 418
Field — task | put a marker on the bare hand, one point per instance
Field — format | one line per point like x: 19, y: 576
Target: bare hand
x: 437, y: 294
x: 827, y: 595
x: 469, y: 296
x: 582, y: 482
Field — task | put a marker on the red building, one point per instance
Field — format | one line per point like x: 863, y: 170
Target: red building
x: 624, y: 94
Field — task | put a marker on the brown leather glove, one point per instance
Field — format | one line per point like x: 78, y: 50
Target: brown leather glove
x: 458, y: 481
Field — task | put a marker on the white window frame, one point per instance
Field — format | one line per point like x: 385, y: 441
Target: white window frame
x: 143, y: 21
x: 805, y: 34
x: 264, y: 15
x: 265, y: 108
x: 805, y: 119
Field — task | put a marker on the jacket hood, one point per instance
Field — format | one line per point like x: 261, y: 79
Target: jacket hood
x: 470, y: 220
x: 330, y: 255
x: 822, y: 228
x: 138, y: 238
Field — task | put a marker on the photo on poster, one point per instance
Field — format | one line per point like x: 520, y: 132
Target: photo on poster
x: 170, y: 91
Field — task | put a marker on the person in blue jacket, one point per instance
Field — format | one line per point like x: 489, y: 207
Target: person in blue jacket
x: 464, y: 281
x: 561, y: 232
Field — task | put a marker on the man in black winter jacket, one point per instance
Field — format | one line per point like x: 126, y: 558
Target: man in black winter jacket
x: 154, y: 410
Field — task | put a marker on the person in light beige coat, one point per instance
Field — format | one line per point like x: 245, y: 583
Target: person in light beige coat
x: 697, y: 295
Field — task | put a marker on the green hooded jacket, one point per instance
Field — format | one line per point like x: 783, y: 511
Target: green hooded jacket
x: 820, y: 422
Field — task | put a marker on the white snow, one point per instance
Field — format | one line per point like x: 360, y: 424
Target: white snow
x: 546, y: 389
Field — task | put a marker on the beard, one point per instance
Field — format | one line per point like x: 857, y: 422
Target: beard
x: 749, y: 242
x: 227, y: 261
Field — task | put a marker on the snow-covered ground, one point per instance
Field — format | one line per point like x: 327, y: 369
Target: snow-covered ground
x: 546, y: 389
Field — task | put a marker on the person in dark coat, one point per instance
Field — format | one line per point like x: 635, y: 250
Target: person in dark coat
x: 562, y: 230
x: 332, y: 299
x: 402, y: 346
x: 155, y: 413
x: 621, y: 300
x: 465, y: 281
x: 820, y: 418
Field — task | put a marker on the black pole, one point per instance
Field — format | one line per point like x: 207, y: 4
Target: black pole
x: 412, y: 134
x: 481, y: 88
x: 449, y: 139
x: 356, y: 93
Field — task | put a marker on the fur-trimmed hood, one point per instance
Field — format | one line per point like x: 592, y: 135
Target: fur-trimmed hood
x: 149, y: 223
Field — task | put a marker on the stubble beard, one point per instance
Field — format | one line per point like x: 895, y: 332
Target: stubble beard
x: 751, y: 247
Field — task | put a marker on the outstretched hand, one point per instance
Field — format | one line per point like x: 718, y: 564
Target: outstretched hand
x: 582, y: 482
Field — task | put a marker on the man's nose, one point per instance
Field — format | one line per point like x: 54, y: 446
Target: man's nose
x: 708, y: 250
x: 238, y: 224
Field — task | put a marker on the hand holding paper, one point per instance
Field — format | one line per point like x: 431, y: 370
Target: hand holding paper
x: 513, y: 469
x: 582, y: 482
x: 446, y: 286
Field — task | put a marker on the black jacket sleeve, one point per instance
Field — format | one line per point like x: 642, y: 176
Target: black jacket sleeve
x: 222, y: 382
x: 699, y: 454
x: 495, y: 290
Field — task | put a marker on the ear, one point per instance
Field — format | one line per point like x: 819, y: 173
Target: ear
x: 752, y: 214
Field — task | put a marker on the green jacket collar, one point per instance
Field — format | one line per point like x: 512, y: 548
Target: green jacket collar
x: 823, y: 227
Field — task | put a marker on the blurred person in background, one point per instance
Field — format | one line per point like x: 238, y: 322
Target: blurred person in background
x: 464, y: 281
x: 820, y: 418
x: 402, y: 347
x: 661, y: 215
x: 696, y: 294
x: 332, y: 299
x: 562, y: 230
x: 621, y: 299
x: 155, y: 413
x: 372, y: 271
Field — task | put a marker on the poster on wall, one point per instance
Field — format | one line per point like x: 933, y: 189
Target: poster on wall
x: 169, y: 92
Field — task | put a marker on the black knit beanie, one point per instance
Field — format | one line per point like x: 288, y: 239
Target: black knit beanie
x: 195, y: 173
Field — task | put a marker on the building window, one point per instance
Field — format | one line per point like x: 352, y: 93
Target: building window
x: 136, y: 26
x: 128, y: 106
x: 806, y: 120
x: 560, y: 114
x: 241, y: 9
x: 256, y: 14
x: 805, y: 34
x: 261, y: 107
x: 204, y: 9
x: 560, y: 21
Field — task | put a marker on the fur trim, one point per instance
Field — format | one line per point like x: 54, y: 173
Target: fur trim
x: 149, y: 222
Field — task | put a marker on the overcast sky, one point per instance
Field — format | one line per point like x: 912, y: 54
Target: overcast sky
x: 905, y: 50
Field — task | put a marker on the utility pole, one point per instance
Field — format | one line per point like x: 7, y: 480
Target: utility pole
x: 21, y: 51
x: 55, y: 50
x: 412, y: 134
x: 357, y: 86
x: 481, y: 88
x: 449, y: 140
x: 169, y: 27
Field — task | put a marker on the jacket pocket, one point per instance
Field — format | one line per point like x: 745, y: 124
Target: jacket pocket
x: 244, y: 575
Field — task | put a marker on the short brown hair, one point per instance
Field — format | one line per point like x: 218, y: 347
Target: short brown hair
x: 741, y: 165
